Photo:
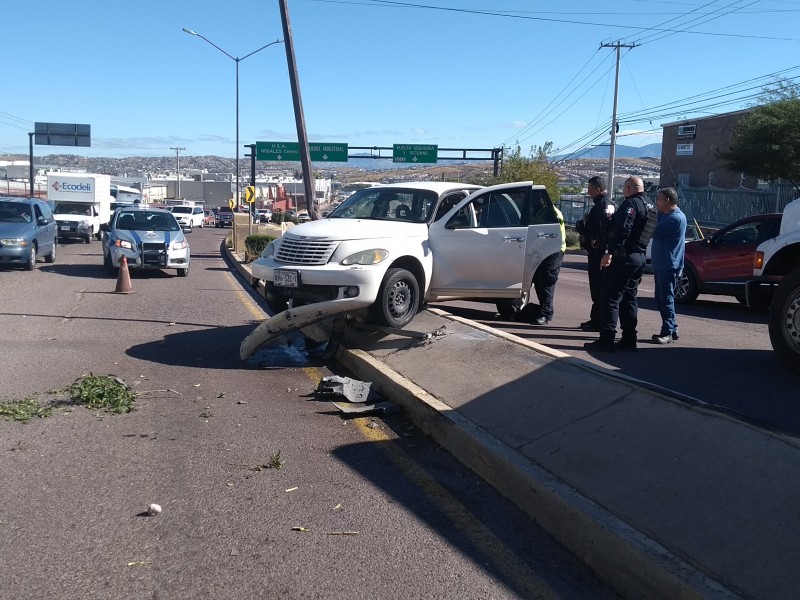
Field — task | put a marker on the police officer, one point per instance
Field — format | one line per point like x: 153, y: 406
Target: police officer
x: 624, y: 259
x: 595, y: 228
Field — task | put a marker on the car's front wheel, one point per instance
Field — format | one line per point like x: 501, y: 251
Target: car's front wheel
x: 686, y: 290
x: 30, y: 264
x: 183, y: 272
x: 398, y: 298
x: 51, y: 257
x: 784, y: 321
x: 110, y: 268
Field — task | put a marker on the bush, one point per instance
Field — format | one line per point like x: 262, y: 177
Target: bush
x: 254, y: 245
x: 572, y: 239
x: 278, y: 217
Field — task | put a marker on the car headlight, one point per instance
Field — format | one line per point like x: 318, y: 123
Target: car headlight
x: 123, y: 244
x: 21, y: 242
x: 366, y: 257
x: 181, y: 245
x: 268, y: 251
x: 85, y: 223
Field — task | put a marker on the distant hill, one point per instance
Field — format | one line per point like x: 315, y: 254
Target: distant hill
x: 649, y: 151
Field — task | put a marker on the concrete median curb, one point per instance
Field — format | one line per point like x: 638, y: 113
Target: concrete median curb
x: 630, y: 561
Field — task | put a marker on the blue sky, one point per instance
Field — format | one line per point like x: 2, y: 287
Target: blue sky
x: 457, y: 73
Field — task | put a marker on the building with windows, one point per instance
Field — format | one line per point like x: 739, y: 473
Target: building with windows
x: 690, y: 153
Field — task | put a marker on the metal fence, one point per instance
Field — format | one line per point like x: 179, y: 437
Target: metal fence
x: 711, y: 207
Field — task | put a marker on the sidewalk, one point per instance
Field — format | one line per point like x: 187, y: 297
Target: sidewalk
x: 659, y: 497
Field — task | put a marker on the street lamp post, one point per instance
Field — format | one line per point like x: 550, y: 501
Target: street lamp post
x: 237, y: 60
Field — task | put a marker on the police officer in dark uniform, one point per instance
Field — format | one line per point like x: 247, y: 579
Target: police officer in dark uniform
x: 624, y: 259
x: 595, y: 228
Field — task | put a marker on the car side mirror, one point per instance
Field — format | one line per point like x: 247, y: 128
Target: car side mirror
x: 41, y: 221
x: 105, y: 227
x: 459, y: 221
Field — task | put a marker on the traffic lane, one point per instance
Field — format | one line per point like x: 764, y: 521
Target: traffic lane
x: 78, y: 482
x: 723, y: 356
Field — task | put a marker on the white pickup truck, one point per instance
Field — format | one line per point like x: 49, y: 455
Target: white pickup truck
x: 779, y: 259
x: 390, y: 248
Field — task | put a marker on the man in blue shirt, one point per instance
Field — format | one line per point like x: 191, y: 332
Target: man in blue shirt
x: 667, y: 256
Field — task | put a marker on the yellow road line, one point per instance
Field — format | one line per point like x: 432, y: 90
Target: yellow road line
x: 504, y: 560
x: 245, y: 299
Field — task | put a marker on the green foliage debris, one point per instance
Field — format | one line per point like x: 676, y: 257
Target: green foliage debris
x: 104, y: 392
x: 275, y: 461
x: 24, y: 410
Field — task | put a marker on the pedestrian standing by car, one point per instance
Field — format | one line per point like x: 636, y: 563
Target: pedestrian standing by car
x: 594, y: 228
x: 667, y: 256
x: 624, y: 259
x: 546, y: 277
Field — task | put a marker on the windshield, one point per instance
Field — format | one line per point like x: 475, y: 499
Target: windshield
x: 186, y: 210
x: 15, y: 212
x: 388, y: 204
x: 143, y: 220
x: 73, y: 208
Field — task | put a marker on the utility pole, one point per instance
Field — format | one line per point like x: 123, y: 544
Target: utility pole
x: 178, y: 169
x: 614, y: 125
x: 305, y: 155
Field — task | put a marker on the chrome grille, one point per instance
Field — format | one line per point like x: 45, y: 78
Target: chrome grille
x: 296, y: 251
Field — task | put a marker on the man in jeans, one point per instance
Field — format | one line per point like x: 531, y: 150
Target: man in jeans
x: 667, y: 255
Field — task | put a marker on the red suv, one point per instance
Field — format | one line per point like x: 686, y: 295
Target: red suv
x: 722, y: 263
x: 224, y: 217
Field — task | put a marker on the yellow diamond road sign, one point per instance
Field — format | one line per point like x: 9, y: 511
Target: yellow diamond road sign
x: 250, y: 194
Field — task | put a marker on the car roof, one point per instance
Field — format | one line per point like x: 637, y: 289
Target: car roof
x: 439, y: 187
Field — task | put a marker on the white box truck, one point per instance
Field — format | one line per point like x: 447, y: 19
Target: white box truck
x: 81, y: 202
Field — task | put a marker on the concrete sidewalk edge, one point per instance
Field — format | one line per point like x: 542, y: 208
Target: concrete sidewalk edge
x: 631, y: 562
x: 628, y: 560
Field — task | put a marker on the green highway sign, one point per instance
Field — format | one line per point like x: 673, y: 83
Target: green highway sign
x: 319, y: 152
x: 278, y: 151
x: 417, y: 153
x: 328, y: 152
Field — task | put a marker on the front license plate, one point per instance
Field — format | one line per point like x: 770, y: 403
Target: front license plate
x: 286, y: 278
x: 64, y: 228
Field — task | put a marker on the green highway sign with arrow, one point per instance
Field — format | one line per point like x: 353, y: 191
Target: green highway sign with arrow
x: 417, y: 153
x: 290, y: 151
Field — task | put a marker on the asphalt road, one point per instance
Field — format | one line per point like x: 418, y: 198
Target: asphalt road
x: 723, y: 357
x: 384, y: 512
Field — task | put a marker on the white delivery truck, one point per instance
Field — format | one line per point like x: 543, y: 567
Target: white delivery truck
x: 81, y: 202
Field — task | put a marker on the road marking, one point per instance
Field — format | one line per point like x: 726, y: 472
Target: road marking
x: 245, y: 299
x: 520, y: 577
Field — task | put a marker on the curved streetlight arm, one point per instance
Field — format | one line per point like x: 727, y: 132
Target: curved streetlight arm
x: 202, y: 37
x: 260, y: 49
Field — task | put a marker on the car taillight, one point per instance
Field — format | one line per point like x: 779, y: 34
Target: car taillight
x: 758, y: 262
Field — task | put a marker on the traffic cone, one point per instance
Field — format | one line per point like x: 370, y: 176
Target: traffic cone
x: 123, y: 278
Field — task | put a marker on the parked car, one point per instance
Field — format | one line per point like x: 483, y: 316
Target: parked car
x: 392, y: 247
x: 224, y: 217
x: 290, y: 214
x: 188, y: 216
x: 265, y: 215
x: 148, y: 238
x: 722, y: 263
x: 209, y: 217
x: 303, y: 216
x: 28, y: 231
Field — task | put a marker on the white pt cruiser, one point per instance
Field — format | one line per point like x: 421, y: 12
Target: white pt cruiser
x: 390, y: 248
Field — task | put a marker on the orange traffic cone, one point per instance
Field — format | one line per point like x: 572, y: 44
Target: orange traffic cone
x: 123, y: 278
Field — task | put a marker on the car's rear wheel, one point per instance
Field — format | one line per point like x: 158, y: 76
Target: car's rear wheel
x: 398, y: 299
x: 686, y: 290
x: 30, y: 264
x: 51, y: 257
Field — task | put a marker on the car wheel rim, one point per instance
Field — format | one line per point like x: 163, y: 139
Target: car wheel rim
x: 682, y: 286
x: 791, y: 322
x: 32, y: 257
x: 400, y: 299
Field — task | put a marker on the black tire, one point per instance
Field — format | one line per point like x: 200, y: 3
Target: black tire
x: 275, y: 301
x: 686, y: 290
x: 183, y: 272
x: 509, y: 307
x: 741, y: 299
x: 398, y: 299
x: 51, y: 257
x: 110, y: 269
x: 30, y: 264
x: 784, y: 321
x: 88, y: 238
